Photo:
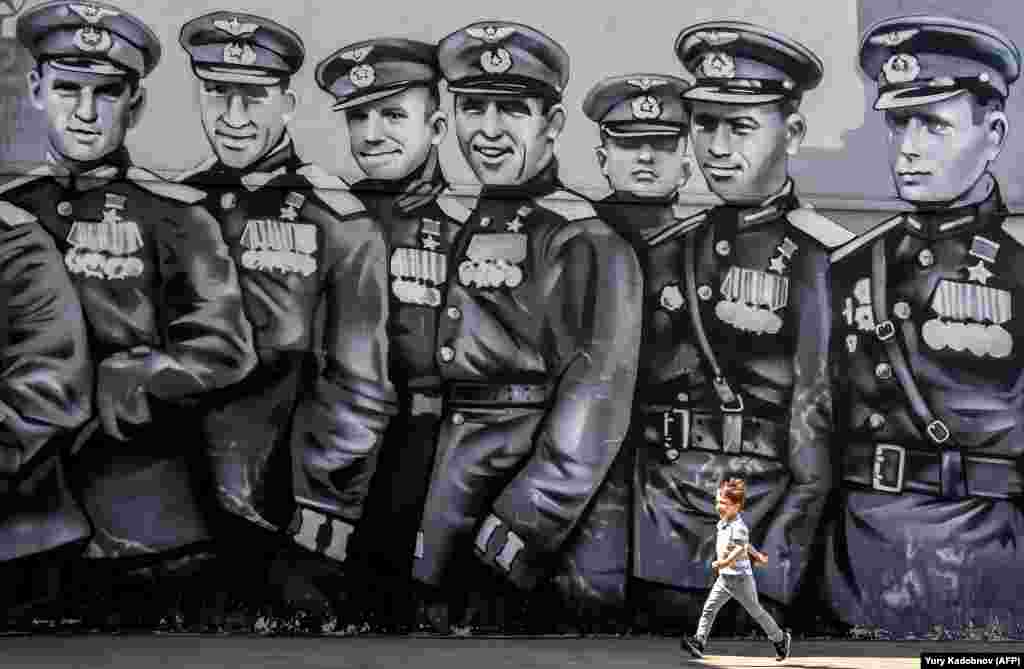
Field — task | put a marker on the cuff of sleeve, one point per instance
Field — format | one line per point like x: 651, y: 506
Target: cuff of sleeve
x: 320, y: 533
x: 361, y: 394
x: 499, y: 547
x: 165, y: 377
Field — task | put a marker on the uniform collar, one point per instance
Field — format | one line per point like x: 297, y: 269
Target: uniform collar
x: 951, y: 221
x: 280, y: 160
x: 113, y: 166
x: 543, y: 183
x: 641, y: 214
x: 769, y: 210
x: 416, y: 190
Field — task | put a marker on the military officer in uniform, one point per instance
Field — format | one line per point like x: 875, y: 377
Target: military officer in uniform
x: 292, y: 445
x: 926, y: 329
x: 643, y: 129
x: 388, y: 91
x: 157, y: 286
x: 541, y: 327
x: 737, y: 331
x: 45, y: 394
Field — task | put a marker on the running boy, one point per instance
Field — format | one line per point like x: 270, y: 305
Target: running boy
x: 735, y: 576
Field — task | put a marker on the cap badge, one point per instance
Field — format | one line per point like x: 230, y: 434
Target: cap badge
x: 236, y: 27
x: 491, y: 33
x: 362, y: 76
x: 357, y: 55
x: 718, y: 65
x: 895, y: 38
x: 900, y: 68
x: 646, y: 107
x: 91, y: 13
x: 715, y: 37
x: 93, y: 40
x: 496, y: 61
x: 238, y: 53
x: 646, y: 83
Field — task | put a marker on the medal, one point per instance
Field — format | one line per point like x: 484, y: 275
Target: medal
x: 752, y: 298
x: 275, y: 245
x: 493, y: 260
x: 105, y: 249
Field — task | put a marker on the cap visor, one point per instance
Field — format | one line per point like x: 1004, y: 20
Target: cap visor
x: 236, y: 76
x: 912, y: 97
x: 497, y: 87
x: 369, y: 96
x: 643, y: 130
x: 731, y: 95
x: 89, y: 66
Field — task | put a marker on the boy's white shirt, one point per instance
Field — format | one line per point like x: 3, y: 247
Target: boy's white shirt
x: 738, y: 534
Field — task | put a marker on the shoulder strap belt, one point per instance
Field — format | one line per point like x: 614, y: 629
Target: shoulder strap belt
x: 952, y: 482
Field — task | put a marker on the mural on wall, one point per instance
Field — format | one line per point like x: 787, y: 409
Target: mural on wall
x: 495, y: 400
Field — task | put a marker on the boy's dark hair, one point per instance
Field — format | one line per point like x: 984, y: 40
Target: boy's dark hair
x: 734, y: 490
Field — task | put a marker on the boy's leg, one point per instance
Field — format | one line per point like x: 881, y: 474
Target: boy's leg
x: 716, y: 600
x: 745, y: 592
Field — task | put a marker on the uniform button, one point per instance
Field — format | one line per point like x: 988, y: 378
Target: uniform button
x: 926, y: 258
x: 447, y: 353
x: 485, y: 221
x: 652, y: 434
x: 704, y: 293
x: 683, y: 397
x: 723, y: 248
x: 228, y: 201
x: 901, y: 310
x: 672, y: 454
x: 458, y: 418
x: 883, y: 371
x: 454, y: 313
x: 876, y: 421
x: 65, y: 208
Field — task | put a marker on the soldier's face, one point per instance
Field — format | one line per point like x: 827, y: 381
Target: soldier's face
x: 243, y: 122
x: 937, y: 152
x: 88, y: 115
x: 506, y: 140
x: 646, y: 166
x: 392, y: 137
x: 742, y: 150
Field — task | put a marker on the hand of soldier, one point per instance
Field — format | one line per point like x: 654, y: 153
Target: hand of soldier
x: 121, y: 391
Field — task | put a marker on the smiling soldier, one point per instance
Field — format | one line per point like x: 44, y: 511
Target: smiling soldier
x: 388, y: 91
x: 926, y: 328
x: 541, y: 328
x: 302, y: 244
x: 740, y: 331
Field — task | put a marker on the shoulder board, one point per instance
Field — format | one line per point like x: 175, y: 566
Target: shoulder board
x: 568, y: 205
x: 1014, y: 227
x: 159, y: 186
x: 829, y: 233
x: 679, y: 227
x: 449, y: 203
x: 866, y: 238
x: 332, y: 190
x: 12, y: 216
x: 38, y: 173
x: 201, y: 167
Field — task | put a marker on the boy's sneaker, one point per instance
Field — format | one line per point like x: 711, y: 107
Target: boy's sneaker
x: 692, y: 645
x: 782, y: 647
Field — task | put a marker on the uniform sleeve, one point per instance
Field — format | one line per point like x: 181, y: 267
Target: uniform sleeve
x: 208, y: 339
x: 790, y: 534
x: 45, y: 372
x: 340, y: 424
x: 594, y: 319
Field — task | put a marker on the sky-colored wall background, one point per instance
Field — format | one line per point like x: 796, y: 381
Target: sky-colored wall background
x: 843, y: 156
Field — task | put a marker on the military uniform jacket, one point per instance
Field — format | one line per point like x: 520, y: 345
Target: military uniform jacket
x: 151, y: 270
x: 302, y: 243
x: 757, y: 281
x: 45, y: 390
x: 933, y: 295
x: 538, y: 346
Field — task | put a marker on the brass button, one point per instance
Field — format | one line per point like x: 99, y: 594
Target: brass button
x: 704, y: 293
x: 683, y: 397
x: 876, y: 421
x: 458, y: 418
x: 454, y: 313
x: 883, y: 371
x: 652, y: 434
x: 65, y: 208
x: 447, y: 353
x: 672, y: 454
x: 926, y: 258
x: 901, y: 310
x: 485, y: 221
x: 723, y: 248
x: 228, y: 201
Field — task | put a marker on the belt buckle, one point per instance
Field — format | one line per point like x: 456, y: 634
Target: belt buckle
x: 877, y: 481
x: 731, y: 401
x: 678, y: 439
x: 885, y: 331
x: 938, y: 432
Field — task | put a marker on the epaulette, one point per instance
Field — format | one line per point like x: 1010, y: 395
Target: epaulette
x: 38, y: 173
x: 201, y: 167
x: 450, y: 205
x: 682, y: 224
x: 332, y: 190
x: 829, y: 233
x: 159, y: 186
x: 12, y: 216
x: 865, y: 238
x: 1014, y: 226
x: 568, y: 205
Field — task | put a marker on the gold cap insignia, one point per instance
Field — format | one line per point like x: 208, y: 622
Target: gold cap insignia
x: 901, y: 68
x: 496, y: 61
x: 491, y: 33
x: 91, y: 13
x: 236, y: 27
x: 362, y: 76
x: 238, y: 53
x: 646, y: 107
x: 93, y: 40
x: 646, y: 83
x: 357, y: 55
x: 718, y: 65
x: 895, y: 38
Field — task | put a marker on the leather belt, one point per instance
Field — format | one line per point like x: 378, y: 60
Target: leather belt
x: 678, y: 429
x: 892, y: 468
x: 426, y: 403
x: 512, y: 394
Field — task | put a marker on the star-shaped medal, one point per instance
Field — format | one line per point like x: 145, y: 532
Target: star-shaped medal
x: 514, y: 225
x: 979, y: 273
x: 430, y: 243
x: 777, y: 264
